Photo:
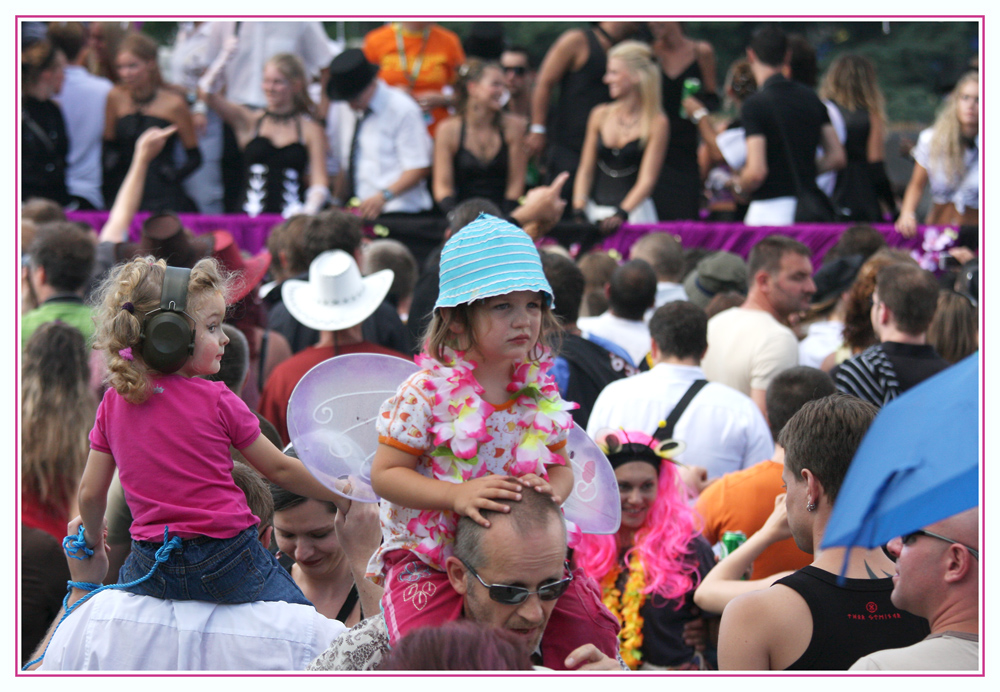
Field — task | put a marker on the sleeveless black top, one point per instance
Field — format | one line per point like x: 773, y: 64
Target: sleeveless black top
x: 855, y: 194
x: 850, y: 621
x: 579, y: 92
x: 163, y: 188
x: 617, y: 171
x: 476, y: 178
x: 274, y: 175
x: 678, y: 188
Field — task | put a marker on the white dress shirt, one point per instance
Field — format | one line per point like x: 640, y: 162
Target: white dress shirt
x: 632, y: 335
x: 393, y: 138
x: 258, y: 43
x: 82, y: 100
x: 723, y: 429
x: 116, y: 630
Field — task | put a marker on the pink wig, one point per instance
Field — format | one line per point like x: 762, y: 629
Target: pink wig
x: 662, y: 544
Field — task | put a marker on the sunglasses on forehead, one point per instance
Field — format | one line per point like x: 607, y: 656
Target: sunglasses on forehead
x: 519, y: 70
x: 515, y: 595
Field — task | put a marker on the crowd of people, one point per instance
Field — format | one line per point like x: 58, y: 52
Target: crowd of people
x: 728, y: 394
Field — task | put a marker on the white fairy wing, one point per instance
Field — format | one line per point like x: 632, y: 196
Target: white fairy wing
x: 331, y: 418
x: 594, y: 505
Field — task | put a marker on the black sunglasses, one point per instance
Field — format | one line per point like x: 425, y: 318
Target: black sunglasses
x: 515, y: 595
x: 911, y: 537
x: 519, y: 70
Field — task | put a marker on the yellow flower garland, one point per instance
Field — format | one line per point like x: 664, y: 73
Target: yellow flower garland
x: 626, y: 608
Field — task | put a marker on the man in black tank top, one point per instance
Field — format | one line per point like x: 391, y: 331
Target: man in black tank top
x: 576, y: 62
x: 810, y: 621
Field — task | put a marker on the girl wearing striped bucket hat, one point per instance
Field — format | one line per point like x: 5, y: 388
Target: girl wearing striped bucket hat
x: 480, y: 422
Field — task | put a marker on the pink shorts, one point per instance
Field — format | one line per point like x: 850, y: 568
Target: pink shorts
x: 419, y: 596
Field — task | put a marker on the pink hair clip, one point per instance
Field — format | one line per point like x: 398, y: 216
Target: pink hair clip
x: 126, y: 353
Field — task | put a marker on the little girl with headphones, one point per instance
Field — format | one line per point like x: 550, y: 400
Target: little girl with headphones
x: 168, y: 431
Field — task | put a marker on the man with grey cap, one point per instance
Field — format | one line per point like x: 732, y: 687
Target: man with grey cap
x: 334, y: 301
x: 749, y: 345
x: 719, y: 272
x: 380, y: 151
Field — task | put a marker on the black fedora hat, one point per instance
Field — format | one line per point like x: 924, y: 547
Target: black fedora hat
x: 350, y: 73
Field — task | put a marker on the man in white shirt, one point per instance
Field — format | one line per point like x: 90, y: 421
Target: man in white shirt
x: 115, y: 630
x: 82, y: 101
x: 379, y: 147
x: 751, y: 344
x: 722, y: 429
x: 631, y: 291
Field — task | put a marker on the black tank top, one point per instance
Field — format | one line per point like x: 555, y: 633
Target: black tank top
x: 579, y: 92
x: 477, y: 178
x: 850, y: 621
x: 274, y: 175
x: 617, y: 171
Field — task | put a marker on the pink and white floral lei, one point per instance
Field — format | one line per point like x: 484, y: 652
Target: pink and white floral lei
x: 460, y: 413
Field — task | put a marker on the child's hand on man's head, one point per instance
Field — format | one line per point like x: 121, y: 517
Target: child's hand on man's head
x: 533, y: 480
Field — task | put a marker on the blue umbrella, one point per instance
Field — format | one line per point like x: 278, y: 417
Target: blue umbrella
x: 918, y: 464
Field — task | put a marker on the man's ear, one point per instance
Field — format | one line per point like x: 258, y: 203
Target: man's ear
x: 456, y: 572
x: 814, y: 487
x: 265, y: 538
x: 958, y: 563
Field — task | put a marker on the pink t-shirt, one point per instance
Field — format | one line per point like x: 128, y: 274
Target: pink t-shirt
x: 172, y: 453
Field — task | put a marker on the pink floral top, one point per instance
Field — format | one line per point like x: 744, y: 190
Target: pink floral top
x: 437, y: 416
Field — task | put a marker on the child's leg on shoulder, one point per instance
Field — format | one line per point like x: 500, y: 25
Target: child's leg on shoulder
x: 579, y: 617
x: 416, y: 595
x: 217, y: 570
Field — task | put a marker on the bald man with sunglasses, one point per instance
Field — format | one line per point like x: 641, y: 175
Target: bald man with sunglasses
x: 937, y: 577
x: 510, y: 576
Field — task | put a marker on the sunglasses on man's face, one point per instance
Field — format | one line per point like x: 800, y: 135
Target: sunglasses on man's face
x: 911, y: 538
x: 519, y: 70
x: 515, y: 595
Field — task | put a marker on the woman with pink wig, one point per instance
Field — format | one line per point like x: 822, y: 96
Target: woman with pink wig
x: 648, y: 571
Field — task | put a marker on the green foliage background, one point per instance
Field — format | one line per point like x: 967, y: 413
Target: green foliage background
x: 916, y: 61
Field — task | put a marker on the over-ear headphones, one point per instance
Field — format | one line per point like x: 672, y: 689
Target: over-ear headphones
x: 167, y: 337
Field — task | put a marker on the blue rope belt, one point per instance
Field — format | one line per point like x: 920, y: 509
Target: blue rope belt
x: 76, y: 548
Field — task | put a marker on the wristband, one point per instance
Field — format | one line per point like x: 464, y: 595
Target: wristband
x: 621, y: 213
x: 199, y: 108
x: 537, y: 129
x: 388, y: 194
x: 699, y: 114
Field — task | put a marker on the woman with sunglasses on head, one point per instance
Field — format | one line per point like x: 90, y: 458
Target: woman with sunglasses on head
x: 480, y: 151
x: 648, y: 571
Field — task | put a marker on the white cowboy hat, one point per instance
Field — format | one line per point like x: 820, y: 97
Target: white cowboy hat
x: 335, y: 297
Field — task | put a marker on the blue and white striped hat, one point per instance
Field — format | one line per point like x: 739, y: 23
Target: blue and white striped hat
x: 489, y: 257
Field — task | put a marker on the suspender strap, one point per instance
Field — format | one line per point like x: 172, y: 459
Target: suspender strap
x: 667, y: 431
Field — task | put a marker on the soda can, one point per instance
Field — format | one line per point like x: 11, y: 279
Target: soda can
x: 691, y: 86
x: 731, y: 540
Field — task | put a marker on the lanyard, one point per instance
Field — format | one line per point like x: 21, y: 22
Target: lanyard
x: 411, y: 75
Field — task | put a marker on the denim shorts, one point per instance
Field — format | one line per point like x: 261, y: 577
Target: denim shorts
x: 217, y: 570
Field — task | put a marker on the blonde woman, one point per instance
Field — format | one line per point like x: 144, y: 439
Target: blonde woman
x: 850, y: 84
x: 625, y: 143
x: 283, y: 145
x: 947, y: 157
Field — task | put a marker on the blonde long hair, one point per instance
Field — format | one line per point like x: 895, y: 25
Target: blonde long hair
x: 851, y: 83
x: 57, y: 413
x: 638, y: 60
x: 293, y: 69
x: 947, y: 151
x: 129, y: 293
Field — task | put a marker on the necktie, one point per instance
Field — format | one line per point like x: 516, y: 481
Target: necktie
x: 352, y: 165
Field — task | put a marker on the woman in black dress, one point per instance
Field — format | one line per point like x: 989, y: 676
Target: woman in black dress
x: 480, y: 151
x: 140, y: 101
x: 284, y: 147
x: 682, y: 60
x: 44, y: 143
x: 850, y: 84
